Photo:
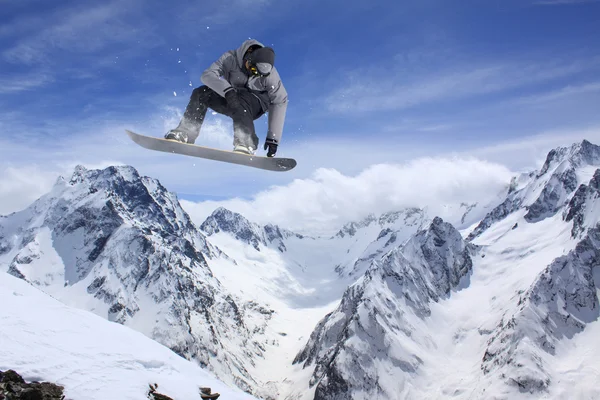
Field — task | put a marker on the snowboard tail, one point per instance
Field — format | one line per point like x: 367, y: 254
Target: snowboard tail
x: 171, y: 146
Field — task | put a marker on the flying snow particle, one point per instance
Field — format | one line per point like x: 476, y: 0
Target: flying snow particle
x: 175, y: 94
x: 178, y: 49
x: 190, y: 83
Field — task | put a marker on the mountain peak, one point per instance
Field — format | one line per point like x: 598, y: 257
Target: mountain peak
x: 351, y: 228
x: 578, y: 154
x: 407, y: 216
x: 223, y: 219
x: 78, y: 175
x: 235, y: 224
x: 111, y: 173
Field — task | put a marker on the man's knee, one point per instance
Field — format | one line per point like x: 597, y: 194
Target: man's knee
x: 201, y: 92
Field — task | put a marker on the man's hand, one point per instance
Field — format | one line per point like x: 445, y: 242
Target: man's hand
x: 233, y: 100
x: 271, y: 144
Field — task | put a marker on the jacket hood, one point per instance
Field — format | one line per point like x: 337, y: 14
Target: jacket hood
x: 239, y: 53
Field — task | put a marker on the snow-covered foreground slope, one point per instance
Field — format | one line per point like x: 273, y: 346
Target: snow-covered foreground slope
x: 92, y: 358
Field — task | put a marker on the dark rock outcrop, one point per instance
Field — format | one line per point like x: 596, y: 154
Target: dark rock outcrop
x: 14, y: 387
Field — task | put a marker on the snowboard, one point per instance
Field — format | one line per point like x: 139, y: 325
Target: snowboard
x: 172, y: 146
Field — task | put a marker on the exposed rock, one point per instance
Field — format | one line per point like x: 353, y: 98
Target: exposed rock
x: 14, y: 387
x: 583, y: 203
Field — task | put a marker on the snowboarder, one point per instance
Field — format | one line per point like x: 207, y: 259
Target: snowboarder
x: 242, y: 84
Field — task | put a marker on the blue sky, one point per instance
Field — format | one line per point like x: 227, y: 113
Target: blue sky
x: 369, y: 82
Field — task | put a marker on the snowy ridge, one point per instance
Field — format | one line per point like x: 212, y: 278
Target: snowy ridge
x: 388, y: 220
x: 545, y: 193
x: 511, y: 203
x: 224, y: 220
x: 120, y: 245
x: 382, y: 315
x: 560, y: 303
x: 372, y: 237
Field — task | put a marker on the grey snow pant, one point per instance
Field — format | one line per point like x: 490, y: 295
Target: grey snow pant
x: 204, y: 97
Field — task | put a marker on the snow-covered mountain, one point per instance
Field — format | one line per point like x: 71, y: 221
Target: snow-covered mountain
x: 370, y: 238
x: 400, y: 305
x: 242, y: 229
x: 505, y: 330
x: 119, y: 245
x: 546, y: 192
x: 374, y: 327
x: 563, y: 298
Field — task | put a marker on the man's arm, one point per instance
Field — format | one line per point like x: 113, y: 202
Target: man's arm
x: 279, y: 100
x: 213, y: 76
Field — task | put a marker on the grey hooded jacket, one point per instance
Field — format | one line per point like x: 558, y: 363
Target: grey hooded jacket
x: 228, y: 71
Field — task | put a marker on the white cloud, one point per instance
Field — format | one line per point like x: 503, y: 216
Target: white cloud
x: 329, y: 199
x: 22, y: 185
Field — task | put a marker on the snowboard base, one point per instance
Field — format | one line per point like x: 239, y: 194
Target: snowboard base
x: 209, y: 153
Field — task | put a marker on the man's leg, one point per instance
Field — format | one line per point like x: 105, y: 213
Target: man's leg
x: 243, y: 121
x: 201, y: 99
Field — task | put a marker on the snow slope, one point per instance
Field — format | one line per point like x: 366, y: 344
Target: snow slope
x: 94, y: 359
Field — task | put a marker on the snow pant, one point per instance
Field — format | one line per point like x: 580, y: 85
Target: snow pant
x: 204, y: 97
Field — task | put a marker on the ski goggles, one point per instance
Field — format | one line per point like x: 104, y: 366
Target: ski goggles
x: 262, y: 69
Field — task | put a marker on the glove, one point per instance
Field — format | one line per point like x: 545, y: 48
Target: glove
x: 233, y: 100
x: 271, y: 144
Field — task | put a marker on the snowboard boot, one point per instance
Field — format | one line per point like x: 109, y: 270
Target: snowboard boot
x: 239, y: 148
x: 176, y: 135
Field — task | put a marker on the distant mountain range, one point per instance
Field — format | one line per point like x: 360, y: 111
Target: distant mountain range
x: 400, y: 305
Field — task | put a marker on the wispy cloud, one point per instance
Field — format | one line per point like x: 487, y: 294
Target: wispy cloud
x: 21, y: 83
x: 531, y: 150
x: 23, y: 184
x: 382, y: 89
x: 559, y: 94
x: 564, y: 2
x: 77, y: 30
x: 224, y: 12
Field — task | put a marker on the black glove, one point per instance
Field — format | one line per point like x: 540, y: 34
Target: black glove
x: 271, y: 144
x: 233, y: 100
